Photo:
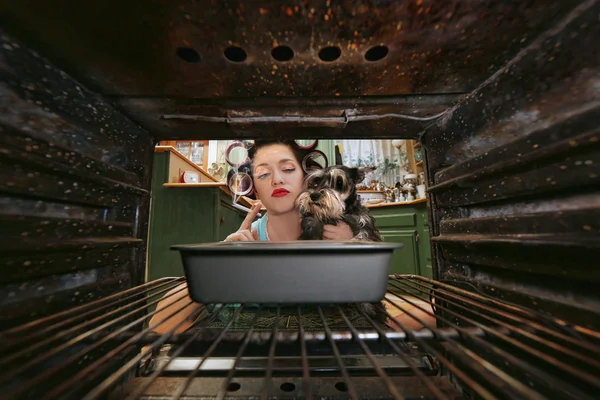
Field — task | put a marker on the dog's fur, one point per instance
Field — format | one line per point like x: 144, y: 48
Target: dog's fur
x: 329, y: 196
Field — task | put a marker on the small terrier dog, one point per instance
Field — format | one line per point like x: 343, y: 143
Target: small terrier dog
x: 329, y: 196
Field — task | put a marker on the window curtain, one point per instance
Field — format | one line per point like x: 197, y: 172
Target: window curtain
x: 391, y: 163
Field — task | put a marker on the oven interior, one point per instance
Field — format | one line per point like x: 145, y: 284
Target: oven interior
x: 504, y: 96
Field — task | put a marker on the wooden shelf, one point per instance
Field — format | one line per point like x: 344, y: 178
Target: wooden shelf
x: 173, y: 150
x: 201, y: 184
x: 415, y: 166
x: 174, y: 143
x: 398, y: 204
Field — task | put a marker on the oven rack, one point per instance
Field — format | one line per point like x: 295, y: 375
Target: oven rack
x: 468, y: 344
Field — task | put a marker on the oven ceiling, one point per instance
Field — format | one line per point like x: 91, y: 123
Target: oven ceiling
x: 163, y: 57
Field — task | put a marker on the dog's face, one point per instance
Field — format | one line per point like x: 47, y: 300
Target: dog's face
x: 327, y: 191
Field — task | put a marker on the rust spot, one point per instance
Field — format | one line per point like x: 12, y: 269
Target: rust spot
x: 587, y: 228
x: 263, y: 11
x: 289, y: 12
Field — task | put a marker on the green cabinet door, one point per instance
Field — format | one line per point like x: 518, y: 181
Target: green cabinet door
x: 405, y: 260
x: 230, y: 220
x: 184, y: 215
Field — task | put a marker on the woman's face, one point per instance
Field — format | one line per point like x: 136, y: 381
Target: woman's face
x: 277, y: 178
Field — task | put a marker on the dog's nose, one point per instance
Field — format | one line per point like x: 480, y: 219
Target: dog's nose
x: 315, y: 196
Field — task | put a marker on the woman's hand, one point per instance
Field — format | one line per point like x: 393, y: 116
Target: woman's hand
x: 243, y: 234
x: 341, y: 231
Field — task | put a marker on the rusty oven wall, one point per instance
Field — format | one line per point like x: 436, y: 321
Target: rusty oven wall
x: 74, y: 192
x: 514, y: 170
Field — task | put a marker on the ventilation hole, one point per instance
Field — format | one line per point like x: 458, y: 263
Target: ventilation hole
x: 188, y: 54
x: 341, y: 386
x: 235, y: 54
x: 233, y: 387
x: 330, y: 53
x: 287, y: 387
x: 376, y: 53
x: 282, y: 53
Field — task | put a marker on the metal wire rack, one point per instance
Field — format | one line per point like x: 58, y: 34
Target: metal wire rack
x: 439, y: 341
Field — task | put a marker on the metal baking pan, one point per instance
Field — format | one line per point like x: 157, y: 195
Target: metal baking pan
x: 307, y: 272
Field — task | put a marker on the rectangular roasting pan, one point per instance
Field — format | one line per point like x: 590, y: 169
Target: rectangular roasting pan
x: 306, y: 272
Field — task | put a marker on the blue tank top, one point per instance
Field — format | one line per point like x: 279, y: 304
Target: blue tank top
x: 260, y: 225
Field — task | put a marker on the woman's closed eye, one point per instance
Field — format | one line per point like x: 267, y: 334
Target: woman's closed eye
x: 262, y: 172
x: 263, y: 176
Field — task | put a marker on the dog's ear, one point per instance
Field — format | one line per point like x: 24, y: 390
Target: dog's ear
x: 358, y: 174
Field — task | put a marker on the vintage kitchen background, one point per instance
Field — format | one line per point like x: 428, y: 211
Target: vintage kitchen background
x: 192, y: 204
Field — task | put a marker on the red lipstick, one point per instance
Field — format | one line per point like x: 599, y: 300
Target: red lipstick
x: 279, y: 192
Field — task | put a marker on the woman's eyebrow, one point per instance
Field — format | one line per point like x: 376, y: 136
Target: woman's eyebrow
x: 284, y: 160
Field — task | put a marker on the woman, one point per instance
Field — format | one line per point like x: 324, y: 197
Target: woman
x: 277, y: 176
